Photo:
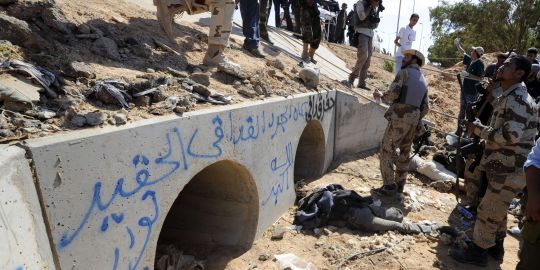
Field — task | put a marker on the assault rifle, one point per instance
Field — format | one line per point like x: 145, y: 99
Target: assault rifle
x: 421, y: 140
x: 459, y: 133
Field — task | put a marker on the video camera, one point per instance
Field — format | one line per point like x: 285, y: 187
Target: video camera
x: 381, y: 7
x: 374, y: 16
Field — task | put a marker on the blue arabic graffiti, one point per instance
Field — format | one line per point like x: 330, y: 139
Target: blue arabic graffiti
x: 282, y: 170
x: 177, y: 158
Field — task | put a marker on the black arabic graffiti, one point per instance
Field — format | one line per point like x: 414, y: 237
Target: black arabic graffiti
x: 318, y: 106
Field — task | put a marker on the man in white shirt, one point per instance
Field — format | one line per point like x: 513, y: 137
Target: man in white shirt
x: 405, y: 39
x: 367, y: 12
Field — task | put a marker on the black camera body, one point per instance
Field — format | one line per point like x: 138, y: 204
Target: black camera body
x: 381, y: 7
x: 374, y: 16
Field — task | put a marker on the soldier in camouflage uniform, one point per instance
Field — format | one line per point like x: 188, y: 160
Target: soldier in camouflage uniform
x: 220, y: 24
x: 475, y: 180
x: 508, y: 139
x: 408, y: 101
x: 311, y: 29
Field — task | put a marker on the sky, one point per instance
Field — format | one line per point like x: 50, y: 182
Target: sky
x: 389, y: 20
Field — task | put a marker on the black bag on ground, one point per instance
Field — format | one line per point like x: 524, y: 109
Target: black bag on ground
x: 329, y: 203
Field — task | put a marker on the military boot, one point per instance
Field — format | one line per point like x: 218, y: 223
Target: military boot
x: 497, y: 251
x: 473, y: 254
x: 389, y: 190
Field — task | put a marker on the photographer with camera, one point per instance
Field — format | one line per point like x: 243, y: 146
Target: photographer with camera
x: 367, y: 12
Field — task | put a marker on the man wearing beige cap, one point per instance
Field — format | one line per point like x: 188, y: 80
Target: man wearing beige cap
x: 408, y: 99
x: 472, y: 74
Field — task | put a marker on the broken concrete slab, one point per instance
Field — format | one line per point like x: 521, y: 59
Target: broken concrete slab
x: 352, y: 137
x: 22, y: 229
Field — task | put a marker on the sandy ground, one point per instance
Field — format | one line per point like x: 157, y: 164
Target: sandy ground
x: 330, y: 249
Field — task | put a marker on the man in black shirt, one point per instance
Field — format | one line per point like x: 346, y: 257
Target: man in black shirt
x: 491, y: 69
x: 532, y: 83
x: 532, y: 53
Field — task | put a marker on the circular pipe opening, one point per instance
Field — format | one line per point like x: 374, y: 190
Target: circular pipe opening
x: 216, y: 213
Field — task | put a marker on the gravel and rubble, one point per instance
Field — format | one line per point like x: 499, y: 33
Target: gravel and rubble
x: 97, y: 57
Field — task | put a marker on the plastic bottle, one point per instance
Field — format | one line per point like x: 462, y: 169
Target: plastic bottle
x: 465, y: 212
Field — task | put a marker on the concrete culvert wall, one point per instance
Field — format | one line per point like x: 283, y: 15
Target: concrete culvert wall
x: 217, y: 209
x: 310, y: 153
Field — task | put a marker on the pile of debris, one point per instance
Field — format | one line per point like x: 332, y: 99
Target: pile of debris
x: 55, y: 75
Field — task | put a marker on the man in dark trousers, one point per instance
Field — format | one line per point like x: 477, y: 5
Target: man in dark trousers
x: 473, y: 73
x: 249, y: 9
x: 340, y: 25
x: 285, y: 5
x: 350, y: 22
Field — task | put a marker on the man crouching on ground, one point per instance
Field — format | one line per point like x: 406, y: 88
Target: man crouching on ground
x: 408, y: 101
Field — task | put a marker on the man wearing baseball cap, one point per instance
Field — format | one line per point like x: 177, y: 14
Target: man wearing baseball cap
x: 472, y: 74
x: 408, y: 99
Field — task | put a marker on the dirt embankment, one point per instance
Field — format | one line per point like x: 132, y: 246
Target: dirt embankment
x: 84, y: 43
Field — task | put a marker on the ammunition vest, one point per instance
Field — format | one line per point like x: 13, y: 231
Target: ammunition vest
x: 414, y: 89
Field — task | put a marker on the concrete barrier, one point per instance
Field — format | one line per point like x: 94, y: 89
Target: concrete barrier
x: 360, y: 124
x: 23, y: 238
x: 210, y: 179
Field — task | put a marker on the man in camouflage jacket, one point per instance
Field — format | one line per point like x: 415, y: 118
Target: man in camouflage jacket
x: 408, y: 101
x: 508, y: 139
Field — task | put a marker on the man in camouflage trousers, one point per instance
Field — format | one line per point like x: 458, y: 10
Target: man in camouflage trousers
x: 220, y: 24
x: 311, y: 29
x: 408, y: 101
x: 508, y: 139
x: 475, y: 177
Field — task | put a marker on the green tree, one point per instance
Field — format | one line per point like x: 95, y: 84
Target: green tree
x: 496, y: 25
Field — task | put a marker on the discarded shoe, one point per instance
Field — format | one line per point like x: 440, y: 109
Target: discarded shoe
x: 473, y: 254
